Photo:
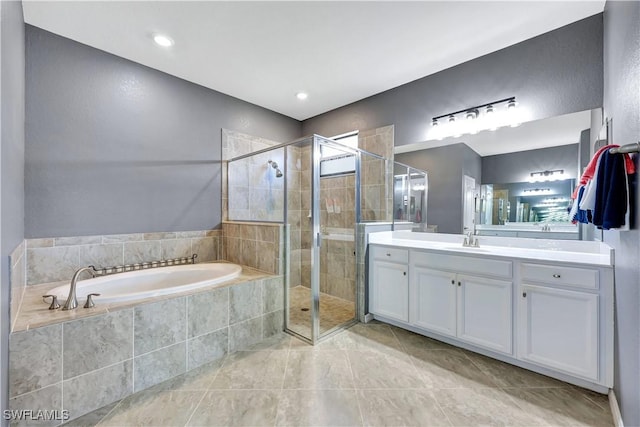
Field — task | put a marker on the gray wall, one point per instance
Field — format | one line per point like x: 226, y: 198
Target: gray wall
x: 12, y: 113
x: 622, y: 105
x: 556, y: 73
x: 116, y: 147
x: 516, y: 167
x: 446, y: 166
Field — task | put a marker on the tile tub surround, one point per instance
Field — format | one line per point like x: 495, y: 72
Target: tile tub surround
x: 17, y: 278
x: 56, y: 259
x: 86, y: 363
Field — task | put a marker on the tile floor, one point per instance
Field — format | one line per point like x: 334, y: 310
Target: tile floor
x: 367, y: 375
x: 334, y: 311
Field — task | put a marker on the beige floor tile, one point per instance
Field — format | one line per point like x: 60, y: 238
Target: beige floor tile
x: 374, y: 370
x: 252, y: 370
x: 317, y: 370
x: 562, y: 406
x: 412, y: 341
x: 92, y: 418
x: 237, y: 408
x: 483, y: 407
x: 365, y: 337
x: 154, y: 408
x: 318, y: 408
x: 281, y: 341
x: 506, y: 375
x: 198, y: 379
x: 448, y: 369
x: 400, y: 408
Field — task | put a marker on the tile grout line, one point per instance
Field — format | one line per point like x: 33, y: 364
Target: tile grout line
x: 353, y: 377
x: 284, y: 376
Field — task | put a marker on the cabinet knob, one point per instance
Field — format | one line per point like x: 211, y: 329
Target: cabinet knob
x: 404, y: 273
x: 453, y: 282
x: 459, y: 284
x: 557, y: 276
x: 388, y: 254
x: 524, y: 295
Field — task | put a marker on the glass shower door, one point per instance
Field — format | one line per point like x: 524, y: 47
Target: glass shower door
x: 336, y: 168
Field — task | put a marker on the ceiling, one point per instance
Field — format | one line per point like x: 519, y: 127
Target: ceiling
x: 338, y: 52
x: 550, y: 132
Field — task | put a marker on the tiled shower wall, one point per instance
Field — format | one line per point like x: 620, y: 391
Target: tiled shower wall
x: 250, y: 189
x: 376, y: 175
x: 259, y: 246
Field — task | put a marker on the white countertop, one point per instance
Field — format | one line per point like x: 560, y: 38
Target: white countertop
x: 577, y: 252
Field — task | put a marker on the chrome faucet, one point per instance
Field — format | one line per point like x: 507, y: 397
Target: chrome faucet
x: 72, y: 301
x: 471, y: 241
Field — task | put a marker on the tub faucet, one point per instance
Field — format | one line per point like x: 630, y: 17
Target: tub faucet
x: 72, y: 301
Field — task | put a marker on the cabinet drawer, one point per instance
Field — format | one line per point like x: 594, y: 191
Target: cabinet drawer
x: 390, y: 254
x: 584, y: 278
x: 461, y: 264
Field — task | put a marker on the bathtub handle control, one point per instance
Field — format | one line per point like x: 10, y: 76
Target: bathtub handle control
x: 54, y: 301
x: 90, y: 302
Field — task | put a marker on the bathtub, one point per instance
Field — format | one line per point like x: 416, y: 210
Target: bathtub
x: 136, y: 285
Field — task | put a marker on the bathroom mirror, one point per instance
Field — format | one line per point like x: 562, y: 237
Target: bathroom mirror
x: 542, y: 154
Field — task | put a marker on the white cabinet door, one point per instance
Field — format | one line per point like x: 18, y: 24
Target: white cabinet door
x: 485, y: 312
x: 390, y: 290
x: 433, y: 300
x: 559, y: 329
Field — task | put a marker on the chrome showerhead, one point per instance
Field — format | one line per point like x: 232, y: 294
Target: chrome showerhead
x: 275, y: 166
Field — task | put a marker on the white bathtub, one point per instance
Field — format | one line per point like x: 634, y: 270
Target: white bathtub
x: 135, y: 285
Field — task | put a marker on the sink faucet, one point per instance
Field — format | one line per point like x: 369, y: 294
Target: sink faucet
x: 72, y: 301
x: 471, y: 241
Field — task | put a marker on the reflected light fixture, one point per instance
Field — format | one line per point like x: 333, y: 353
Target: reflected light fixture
x: 549, y: 175
x: 162, y: 40
x: 489, y: 116
x: 534, y: 191
x: 302, y: 96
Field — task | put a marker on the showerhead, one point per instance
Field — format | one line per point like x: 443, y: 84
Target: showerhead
x: 275, y: 166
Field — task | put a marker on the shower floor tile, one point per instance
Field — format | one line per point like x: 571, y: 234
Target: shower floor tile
x: 334, y: 311
x: 337, y: 390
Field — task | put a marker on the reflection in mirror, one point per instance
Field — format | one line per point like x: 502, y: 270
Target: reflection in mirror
x: 543, y: 202
x: 410, y: 188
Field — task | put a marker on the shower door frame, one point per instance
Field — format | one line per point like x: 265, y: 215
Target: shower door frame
x: 319, y: 141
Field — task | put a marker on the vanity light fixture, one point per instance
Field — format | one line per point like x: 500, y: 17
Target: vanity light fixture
x: 162, y: 40
x: 552, y: 175
x: 489, y: 116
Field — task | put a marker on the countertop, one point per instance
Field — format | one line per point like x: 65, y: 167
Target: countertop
x: 575, y: 252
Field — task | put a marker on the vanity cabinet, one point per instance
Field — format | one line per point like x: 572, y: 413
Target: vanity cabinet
x: 558, y: 322
x: 472, y: 308
x: 389, y: 296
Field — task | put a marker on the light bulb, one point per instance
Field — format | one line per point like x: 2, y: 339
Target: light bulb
x: 163, y: 40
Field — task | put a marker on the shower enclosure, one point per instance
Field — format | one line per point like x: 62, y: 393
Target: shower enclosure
x: 321, y: 190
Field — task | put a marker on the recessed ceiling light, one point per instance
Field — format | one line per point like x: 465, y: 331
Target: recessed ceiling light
x: 163, y: 40
x: 301, y: 96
